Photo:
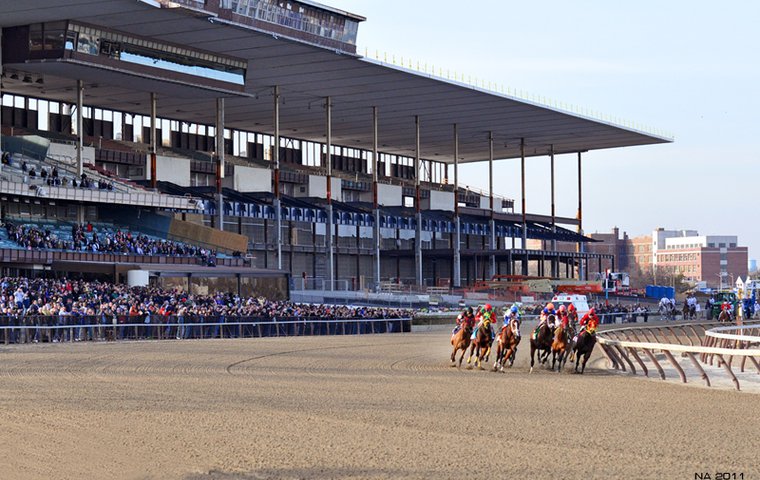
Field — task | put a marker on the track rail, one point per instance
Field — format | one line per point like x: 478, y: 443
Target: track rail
x: 621, y: 347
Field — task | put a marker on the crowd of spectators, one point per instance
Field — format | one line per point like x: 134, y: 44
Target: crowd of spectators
x: 51, y: 176
x: 85, y: 238
x: 70, y: 301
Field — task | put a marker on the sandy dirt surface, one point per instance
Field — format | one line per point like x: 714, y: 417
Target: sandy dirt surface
x: 383, y: 406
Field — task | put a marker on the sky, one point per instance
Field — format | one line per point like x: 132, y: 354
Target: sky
x: 689, y: 68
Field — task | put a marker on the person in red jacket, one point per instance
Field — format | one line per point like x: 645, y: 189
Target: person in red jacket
x: 589, y: 322
x: 464, y: 318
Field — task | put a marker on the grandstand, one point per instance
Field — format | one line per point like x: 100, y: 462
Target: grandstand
x: 211, y: 123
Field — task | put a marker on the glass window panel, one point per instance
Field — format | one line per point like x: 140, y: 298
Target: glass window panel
x: 35, y: 37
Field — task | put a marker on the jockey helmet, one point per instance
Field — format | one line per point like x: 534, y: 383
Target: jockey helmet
x: 562, y: 308
x: 550, y: 306
x: 468, y: 311
x: 571, y: 307
x: 514, y: 309
x: 488, y: 307
x: 592, y: 311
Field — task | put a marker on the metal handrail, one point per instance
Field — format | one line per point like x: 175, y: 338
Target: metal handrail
x: 708, y: 348
x: 19, y: 334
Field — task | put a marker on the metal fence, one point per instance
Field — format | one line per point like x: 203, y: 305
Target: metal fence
x: 33, y: 329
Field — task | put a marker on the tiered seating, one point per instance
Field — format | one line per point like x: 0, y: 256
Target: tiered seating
x: 14, y: 171
x: 61, y: 235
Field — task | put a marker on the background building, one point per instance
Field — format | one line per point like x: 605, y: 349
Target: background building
x: 716, y: 260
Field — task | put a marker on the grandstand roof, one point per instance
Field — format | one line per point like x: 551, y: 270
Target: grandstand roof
x: 306, y: 74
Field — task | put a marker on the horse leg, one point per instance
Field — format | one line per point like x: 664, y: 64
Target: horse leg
x: 577, y: 359
x: 554, y: 359
x: 461, y: 357
x: 532, y: 356
x: 498, y: 356
x: 469, y: 357
x: 585, y: 359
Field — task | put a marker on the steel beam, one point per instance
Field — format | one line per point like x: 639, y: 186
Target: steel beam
x: 376, y: 203
x: 524, y: 211
x: 418, y: 229
x: 329, y: 225
x: 220, y: 159
x: 153, y: 141
x: 277, y: 203
x: 80, y: 127
x: 458, y: 237
x: 492, y: 222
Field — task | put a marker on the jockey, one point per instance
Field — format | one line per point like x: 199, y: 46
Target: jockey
x: 545, y: 313
x: 485, y: 317
x: 564, y: 318
x: 512, y: 318
x: 464, y: 318
x: 589, y: 322
x: 572, y: 314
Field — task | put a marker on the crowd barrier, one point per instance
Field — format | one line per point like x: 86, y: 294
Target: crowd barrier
x: 33, y: 329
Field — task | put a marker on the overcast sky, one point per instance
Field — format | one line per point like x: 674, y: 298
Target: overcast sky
x: 688, y: 67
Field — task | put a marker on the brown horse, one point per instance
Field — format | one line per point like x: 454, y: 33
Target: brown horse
x: 724, y: 317
x: 460, y: 341
x: 560, y: 347
x: 481, y: 345
x: 507, y: 342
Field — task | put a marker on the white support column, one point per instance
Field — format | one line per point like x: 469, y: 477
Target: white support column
x: 277, y: 195
x: 1, y: 87
x: 524, y: 211
x: 153, y: 140
x: 418, y: 229
x: 555, y: 265
x: 581, y: 270
x: 457, y: 274
x: 376, y: 203
x: 329, y: 227
x: 220, y: 159
x: 492, y: 223
x: 80, y: 127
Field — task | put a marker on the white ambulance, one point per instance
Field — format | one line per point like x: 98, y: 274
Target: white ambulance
x: 580, y: 302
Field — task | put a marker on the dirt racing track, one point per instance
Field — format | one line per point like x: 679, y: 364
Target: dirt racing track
x: 371, y: 406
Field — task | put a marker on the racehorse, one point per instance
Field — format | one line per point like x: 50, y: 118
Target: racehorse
x: 460, y: 341
x: 724, y: 316
x: 689, y: 311
x: 481, y: 345
x: 583, y: 348
x: 507, y: 342
x: 542, y: 342
x: 560, y: 347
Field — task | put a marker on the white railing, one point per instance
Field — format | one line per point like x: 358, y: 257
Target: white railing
x: 621, y: 347
x: 146, y: 199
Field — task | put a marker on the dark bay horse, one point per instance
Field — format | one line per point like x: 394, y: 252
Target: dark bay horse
x: 481, y: 345
x: 583, y: 348
x: 460, y: 341
x: 507, y: 341
x: 724, y: 316
x: 542, y: 343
